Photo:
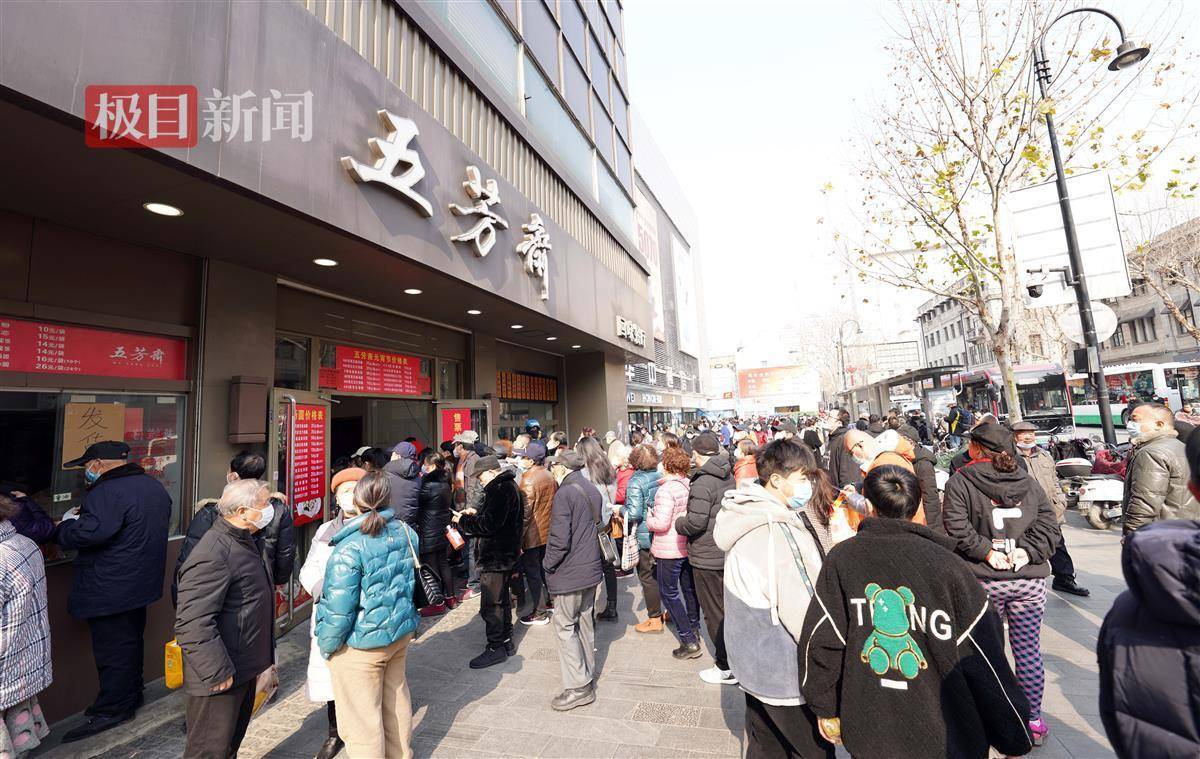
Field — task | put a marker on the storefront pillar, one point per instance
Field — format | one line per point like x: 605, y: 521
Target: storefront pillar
x: 483, y: 365
x: 238, y: 339
x: 595, y: 393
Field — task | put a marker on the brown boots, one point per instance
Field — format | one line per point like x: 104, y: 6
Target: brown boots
x: 651, y: 625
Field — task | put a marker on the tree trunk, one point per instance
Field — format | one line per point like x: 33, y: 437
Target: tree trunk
x: 1008, y: 382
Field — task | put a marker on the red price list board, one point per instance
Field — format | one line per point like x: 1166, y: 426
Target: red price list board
x: 45, y: 348
x: 309, y: 429
x: 360, y: 370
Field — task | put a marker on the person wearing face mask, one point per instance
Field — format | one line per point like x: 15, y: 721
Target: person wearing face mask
x: 1156, y: 478
x: 319, y: 683
x: 225, y: 621
x: 773, y: 556
x: 120, y: 533
x: 1040, y: 465
x: 433, y: 516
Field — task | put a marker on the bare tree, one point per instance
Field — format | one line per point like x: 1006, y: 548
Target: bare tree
x: 1166, y: 259
x: 961, y: 128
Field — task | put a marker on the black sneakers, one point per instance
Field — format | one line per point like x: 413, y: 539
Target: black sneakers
x: 492, y: 656
x: 96, y: 725
x: 533, y: 618
x: 688, y: 651
x: 1068, y: 585
x: 608, y: 615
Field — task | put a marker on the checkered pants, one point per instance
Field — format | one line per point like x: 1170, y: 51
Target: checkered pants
x: 1022, y: 603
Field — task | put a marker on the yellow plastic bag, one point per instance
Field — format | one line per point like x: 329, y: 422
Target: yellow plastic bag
x: 264, y: 688
x: 173, y: 664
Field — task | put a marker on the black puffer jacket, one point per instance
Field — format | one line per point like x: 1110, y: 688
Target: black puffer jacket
x: 404, y: 480
x: 710, y: 483
x: 433, y: 512
x: 925, y: 466
x: 498, y: 525
x: 977, y: 496
x: 1149, y: 646
x: 843, y: 469
x: 572, y: 560
x: 224, y: 622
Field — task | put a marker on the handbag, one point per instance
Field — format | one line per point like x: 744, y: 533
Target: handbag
x: 429, y: 582
x: 629, y: 549
x: 608, y: 546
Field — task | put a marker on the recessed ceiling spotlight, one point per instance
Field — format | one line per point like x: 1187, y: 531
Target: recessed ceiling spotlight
x: 412, y: 291
x: 518, y: 326
x: 325, y: 262
x: 577, y: 346
x: 551, y: 338
x: 474, y: 311
x: 162, y: 209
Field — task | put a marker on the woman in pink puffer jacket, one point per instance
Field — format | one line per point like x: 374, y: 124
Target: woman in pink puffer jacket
x: 669, y: 549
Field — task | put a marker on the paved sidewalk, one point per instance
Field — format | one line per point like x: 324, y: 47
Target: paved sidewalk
x: 648, y: 704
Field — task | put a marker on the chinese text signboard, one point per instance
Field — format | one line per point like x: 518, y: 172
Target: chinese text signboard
x: 87, y: 423
x: 526, y: 387
x: 308, y: 463
x: 43, y: 348
x: 359, y: 370
x: 454, y: 421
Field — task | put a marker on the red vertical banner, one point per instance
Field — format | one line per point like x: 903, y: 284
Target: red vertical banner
x: 454, y: 421
x: 309, y: 435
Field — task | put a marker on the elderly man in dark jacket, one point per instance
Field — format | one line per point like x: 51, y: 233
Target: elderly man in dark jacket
x: 404, y: 482
x: 842, y: 468
x: 711, y: 479
x: 538, y: 487
x: 224, y: 622
x: 1149, y: 646
x: 1157, y: 474
x: 120, y: 533
x: 496, y: 528
x: 573, y: 571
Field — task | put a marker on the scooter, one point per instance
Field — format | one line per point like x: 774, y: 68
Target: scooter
x: 1097, y: 496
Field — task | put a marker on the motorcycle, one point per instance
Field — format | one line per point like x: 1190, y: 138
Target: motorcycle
x: 1096, y: 488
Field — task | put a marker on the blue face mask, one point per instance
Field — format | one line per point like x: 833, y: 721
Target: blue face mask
x: 801, y: 494
x: 90, y: 477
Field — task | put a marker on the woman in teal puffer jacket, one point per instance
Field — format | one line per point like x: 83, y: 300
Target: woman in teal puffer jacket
x: 639, y: 499
x: 366, y: 619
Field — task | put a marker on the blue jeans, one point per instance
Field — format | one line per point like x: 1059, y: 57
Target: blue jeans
x: 678, y: 592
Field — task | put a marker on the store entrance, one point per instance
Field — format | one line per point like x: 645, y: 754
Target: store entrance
x: 379, y: 423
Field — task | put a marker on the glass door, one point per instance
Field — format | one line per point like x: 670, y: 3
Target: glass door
x: 298, y: 455
x: 459, y: 415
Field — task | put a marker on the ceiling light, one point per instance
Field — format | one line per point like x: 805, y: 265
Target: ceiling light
x: 551, y: 338
x: 324, y: 262
x: 517, y: 326
x: 412, y: 291
x: 577, y: 346
x: 474, y: 311
x: 162, y: 209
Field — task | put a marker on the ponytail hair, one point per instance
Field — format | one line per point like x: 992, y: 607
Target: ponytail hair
x: 370, y: 495
x: 1003, y: 461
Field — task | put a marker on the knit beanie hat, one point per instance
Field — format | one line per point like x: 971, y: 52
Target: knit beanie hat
x: 352, y: 474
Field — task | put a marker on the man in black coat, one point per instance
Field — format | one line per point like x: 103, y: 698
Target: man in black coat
x: 276, y: 542
x: 225, y: 621
x: 711, y: 479
x: 496, y: 528
x: 843, y: 470
x: 404, y: 482
x: 573, y: 570
x: 120, y: 533
x: 925, y: 467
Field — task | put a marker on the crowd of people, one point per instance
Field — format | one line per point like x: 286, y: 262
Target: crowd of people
x: 836, y: 584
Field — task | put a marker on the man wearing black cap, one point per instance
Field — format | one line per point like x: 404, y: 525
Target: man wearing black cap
x: 120, y: 533
x: 496, y: 528
x: 711, y: 479
x: 538, y: 487
x: 573, y: 570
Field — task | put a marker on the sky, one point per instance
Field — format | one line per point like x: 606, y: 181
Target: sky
x: 754, y: 105
x: 751, y: 103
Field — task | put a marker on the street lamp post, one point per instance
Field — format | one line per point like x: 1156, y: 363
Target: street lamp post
x: 1127, y: 55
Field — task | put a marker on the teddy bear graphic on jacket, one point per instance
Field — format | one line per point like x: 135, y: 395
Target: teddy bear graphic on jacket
x: 889, y: 646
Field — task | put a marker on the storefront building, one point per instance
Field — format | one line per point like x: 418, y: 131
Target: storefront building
x: 468, y: 268
x: 668, y: 390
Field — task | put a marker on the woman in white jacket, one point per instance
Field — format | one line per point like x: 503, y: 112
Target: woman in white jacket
x: 319, y: 684
x: 772, y: 558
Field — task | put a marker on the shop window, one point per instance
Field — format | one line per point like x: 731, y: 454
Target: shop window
x: 40, y: 430
x: 449, y: 378
x: 486, y: 38
x: 576, y: 88
x: 574, y: 26
x: 602, y: 129
x: 514, y: 414
x: 614, y: 200
x: 541, y: 36
x: 291, y: 362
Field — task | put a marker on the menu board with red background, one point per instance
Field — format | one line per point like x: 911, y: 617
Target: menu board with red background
x: 309, y: 429
x: 361, y: 370
x: 46, y: 348
x: 454, y: 421
x: 526, y: 387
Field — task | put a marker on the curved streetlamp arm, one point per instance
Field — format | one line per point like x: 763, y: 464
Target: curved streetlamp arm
x: 1041, y: 43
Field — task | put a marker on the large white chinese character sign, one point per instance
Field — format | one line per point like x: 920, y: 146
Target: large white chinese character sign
x: 535, y: 249
x: 484, y: 196
x: 388, y: 153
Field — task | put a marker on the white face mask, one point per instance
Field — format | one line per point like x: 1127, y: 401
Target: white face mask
x: 1026, y: 446
x: 345, y: 502
x: 265, y: 517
